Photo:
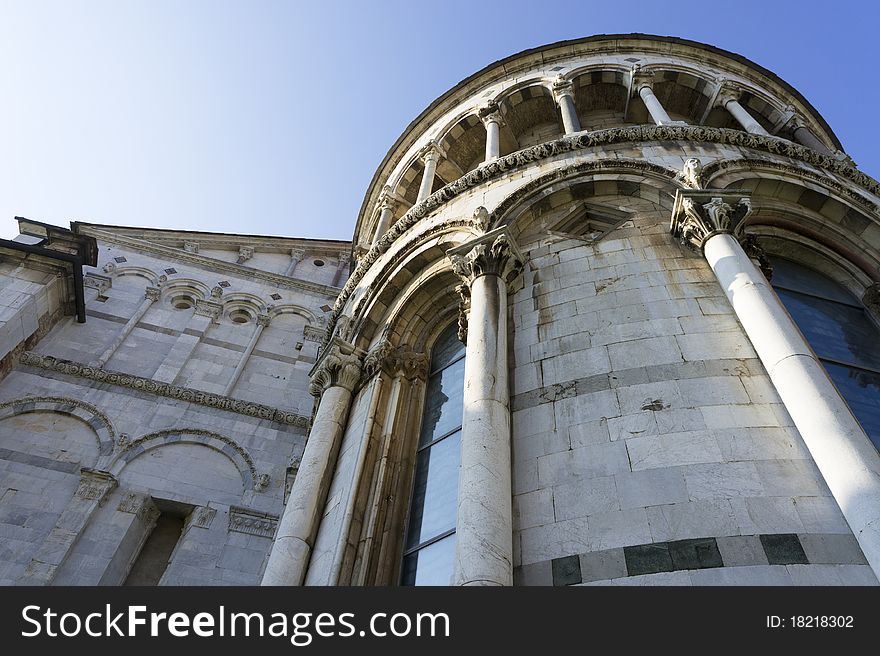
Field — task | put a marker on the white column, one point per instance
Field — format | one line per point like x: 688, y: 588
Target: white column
x: 804, y: 136
x: 484, y: 522
x: 386, y: 213
x: 296, y: 256
x: 491, y: 117
x: 563, y: 92
x: 262, y: 322
x: 151, y: 295
x: 429, y: 158
x: 341, y: 268
x: 845, y: 456
x: 333, y: 378
x: 655, y: 109
x: 729, y: 99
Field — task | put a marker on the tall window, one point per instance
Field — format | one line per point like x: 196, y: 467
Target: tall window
x: 841, y: 333
x: 430, y: 536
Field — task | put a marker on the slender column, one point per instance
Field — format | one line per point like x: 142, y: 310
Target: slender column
x: 804, y: 136
x: 429, y: 157
x: 484, y: 523
x: 205, y: 314
x: 151, y: 295
x: 563, y: 92
x: 333, y: 379
x: 847, y: 459
x: 655, y: 109
x: 262, y: 322
x: 729, y: 99
x: 341, y: 268
x: 491, y: 117
x: 94, y: 487
x: 296, y: 256
x: 386, y: 213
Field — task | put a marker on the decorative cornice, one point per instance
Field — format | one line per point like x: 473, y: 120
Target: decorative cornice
x: 252, y: 522
x: 699, y: 214
x: 210, y: 263
x: 185, y: 394
x: 339, y: 366
x: 588, y: 141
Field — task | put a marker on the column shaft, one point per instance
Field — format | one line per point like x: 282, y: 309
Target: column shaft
x: 128, y: 327
x: 493, y: 140
x: 484, y: 531
x: 427, y: 177
x: 299, y: 523
x: 569, y: 114
x: 843, y: 453
x: 655, y: 109
x: 296, y: 257
x: 804, y: 136
x: 748, y: 123
x: 242, y: 362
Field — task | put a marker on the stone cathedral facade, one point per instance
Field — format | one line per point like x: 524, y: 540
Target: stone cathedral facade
x: 610, y: 315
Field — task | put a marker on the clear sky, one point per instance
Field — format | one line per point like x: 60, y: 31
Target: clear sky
x: 271, y: 117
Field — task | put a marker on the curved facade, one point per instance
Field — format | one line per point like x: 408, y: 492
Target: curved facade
x: 600, y: 218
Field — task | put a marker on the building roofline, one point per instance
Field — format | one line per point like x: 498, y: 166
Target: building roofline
x: 74, y: 225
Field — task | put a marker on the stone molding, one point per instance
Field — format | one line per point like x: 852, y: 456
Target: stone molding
x: 586, y: 141
x: 252, y: 522
x: 186, y: 394
x: 339, y: 366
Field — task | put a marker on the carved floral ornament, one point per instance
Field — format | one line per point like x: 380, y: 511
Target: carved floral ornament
x: 400, y: 360
x: 340, y: 366
x: 493, y: 254
x: 698, y: 215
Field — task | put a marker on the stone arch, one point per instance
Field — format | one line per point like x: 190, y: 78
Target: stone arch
x: 600, y: 96
x: 105, y: 435
x: 530, y: 116
x: 220, y: 443
x: 464, y: 142
x: 290, y: 308
x: 241, y: 307
x: 141, y: 272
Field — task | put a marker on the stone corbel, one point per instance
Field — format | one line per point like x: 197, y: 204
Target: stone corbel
x: 244, y: 254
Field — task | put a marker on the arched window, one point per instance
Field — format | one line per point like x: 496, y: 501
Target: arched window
x: 429, y: 546
x: 841, y: 333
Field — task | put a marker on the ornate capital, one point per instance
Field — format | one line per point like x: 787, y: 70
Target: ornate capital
x: 97, y: 281
x: 464, y: 308
x: 700, y: 214
x: 493, y: 254
x: 726, y: 95
x: 263, y: 320
x: 339, y: 366
x: 640, y: 78
x: 216, y: 291
x: 152, y: 293
x: 400, y: 360
x: 490, y: 113
x: 562, y: 87
x: 245, y: 253
x: 95, y: 485
x: 297, y: 254
x: 210, y: 309
x: 430, y: 151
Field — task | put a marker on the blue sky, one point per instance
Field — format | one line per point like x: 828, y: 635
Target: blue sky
x: 271, y: 117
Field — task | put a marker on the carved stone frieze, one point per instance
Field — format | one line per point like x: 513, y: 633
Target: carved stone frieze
x: 252, y: 522
x: 97, y: 281
x: 148, y: 385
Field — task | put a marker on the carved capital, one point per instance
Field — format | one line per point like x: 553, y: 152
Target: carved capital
x: 344, y: 258
x: 297, y: 254
x: 377, y: 359
x: 313, y: 334
x: 263, y: 320
x: 95, y: 485
x: 339, y: 366
x: 493, y: 254
x: 191, y: 246
x: 490, y: 113
x: 698, y: 215
x: 640, y: 78
x: 210, y: 309
x: 216, y: 291
x: 430, y: 151
x: 152, y: 293
x: 97, y: 281
x: 394, y: 361
x: 561, y: 88
x: 244, y: 254
x: 727, y: 94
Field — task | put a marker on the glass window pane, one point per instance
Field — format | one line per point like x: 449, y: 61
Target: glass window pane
x: 447, y: 348
x: 435, y: 491
x: 835, y: 331
x: 432, y: 565
x: 797, y: 277
x: 861, y: 389
x: 443, y: 403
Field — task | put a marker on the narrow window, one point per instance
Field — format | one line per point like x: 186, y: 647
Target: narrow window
x: 840, y: 332
x: 155, y: 554
x: 429, y: 546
